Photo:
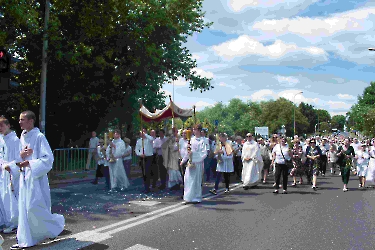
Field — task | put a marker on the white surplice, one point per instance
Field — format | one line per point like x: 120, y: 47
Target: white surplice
x: 36, y: 222
x: 171, y: 155
x: 10, y: 181
x: 193, y: 175
x: 3, y: 221
x: 116, y: 169
x: 251, y: 169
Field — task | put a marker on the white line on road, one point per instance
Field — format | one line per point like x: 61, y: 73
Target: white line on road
x: 90, y: 237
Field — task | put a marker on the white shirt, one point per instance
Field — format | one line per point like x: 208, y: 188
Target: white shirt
x: 279, y: 157
x: 183, y: 147
x: 148, y: 141
x: 94, y: 142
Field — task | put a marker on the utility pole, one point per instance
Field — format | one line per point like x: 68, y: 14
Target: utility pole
x: 43, y: 78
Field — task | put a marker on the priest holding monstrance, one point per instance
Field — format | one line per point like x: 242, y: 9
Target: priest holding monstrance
x: 195, y: 156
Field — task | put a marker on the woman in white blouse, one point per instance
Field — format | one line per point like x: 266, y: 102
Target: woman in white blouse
x: 281, y: 154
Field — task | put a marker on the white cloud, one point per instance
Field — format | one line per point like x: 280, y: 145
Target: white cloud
x: 180, y: 82
x: 239, y: 5
x: 246, y: 45
x: 346, y: 96
x: 287, y: 80
x: 262, y: 95
x: 352, y: 21
x: 337, y: 113
x: 338, y: 105
x: 223, y: 84
x: 201, y: 105
x: 291, y: 95
x: 203, y: 73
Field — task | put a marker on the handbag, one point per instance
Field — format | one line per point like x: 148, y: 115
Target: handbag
x: 288, y: 163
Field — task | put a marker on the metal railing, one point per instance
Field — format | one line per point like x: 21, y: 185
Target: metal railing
x: 75, y: 159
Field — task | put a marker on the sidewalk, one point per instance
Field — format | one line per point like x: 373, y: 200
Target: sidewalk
x: 64, y: 178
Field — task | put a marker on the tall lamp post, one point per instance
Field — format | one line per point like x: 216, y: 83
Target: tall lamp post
x: 294, y: 113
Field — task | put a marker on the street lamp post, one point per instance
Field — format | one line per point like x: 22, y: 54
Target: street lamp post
x: 294, y: 113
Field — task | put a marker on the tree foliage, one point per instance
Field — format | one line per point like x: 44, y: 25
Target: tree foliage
x: 103, y: 56
x: 360, y: 113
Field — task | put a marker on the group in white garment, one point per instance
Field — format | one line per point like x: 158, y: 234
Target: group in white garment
x: 25, y: 200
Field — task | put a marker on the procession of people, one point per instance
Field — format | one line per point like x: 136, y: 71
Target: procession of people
x: 181, y: 160
x: 25, y: 199
x: 186, y: 159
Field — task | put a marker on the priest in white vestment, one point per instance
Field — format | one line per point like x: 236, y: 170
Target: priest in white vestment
x: 10, y: 175
x: 171, y: 156
x: 36, y: 222
x: 194, y: 169
x: 115, y: 151
x: 252, y: 162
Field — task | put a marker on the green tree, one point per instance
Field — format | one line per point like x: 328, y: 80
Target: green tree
x: 280, y: 112
x: 308, y: 111
x: 102, y: 58
x: 368, y: 123
x: 358, y: 111
x: 338, y: 122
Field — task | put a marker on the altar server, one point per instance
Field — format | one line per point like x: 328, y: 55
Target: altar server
x: 36, y: 222
x: 10, y: 175
x: 193, y: 175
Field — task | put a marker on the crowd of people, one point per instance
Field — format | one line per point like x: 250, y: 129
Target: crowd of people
x: 189, y: 158
x: 25, y: 200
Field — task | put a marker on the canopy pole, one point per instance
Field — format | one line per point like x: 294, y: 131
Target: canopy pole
x: 170, y: 102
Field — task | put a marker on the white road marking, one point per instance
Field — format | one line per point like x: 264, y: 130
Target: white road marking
x: 140, y: 247
x: 145, y: 203
x: 87, y: 238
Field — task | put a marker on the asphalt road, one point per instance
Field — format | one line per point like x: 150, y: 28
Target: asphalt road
x: 243, y: 219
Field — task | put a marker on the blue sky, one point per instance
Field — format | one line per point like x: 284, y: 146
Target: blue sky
x: 265, y: 49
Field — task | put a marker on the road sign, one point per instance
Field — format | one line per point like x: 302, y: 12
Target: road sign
x: 216, y: 122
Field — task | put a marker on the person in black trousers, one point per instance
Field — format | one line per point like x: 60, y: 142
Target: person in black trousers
x: 281, y: 154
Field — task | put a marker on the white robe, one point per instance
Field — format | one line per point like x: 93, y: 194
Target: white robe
x: 193, y: 175
x: 251, y: 169
x: 370, y: 174
x: 116, y: 169
x: 171, y: 155
x: 2, y: 209
x: 11, y: 155
x: 36, y: 222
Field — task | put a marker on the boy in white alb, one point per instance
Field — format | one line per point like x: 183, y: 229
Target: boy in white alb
x: 10, y: 175
x: 35, y: 222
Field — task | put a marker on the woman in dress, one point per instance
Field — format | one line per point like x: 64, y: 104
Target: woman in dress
x: 370, y: 175
x: 345, y: 156
x: 362, y: 159
x: 313, y: 154
x: 281, y: 154
x: 298, y: 168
